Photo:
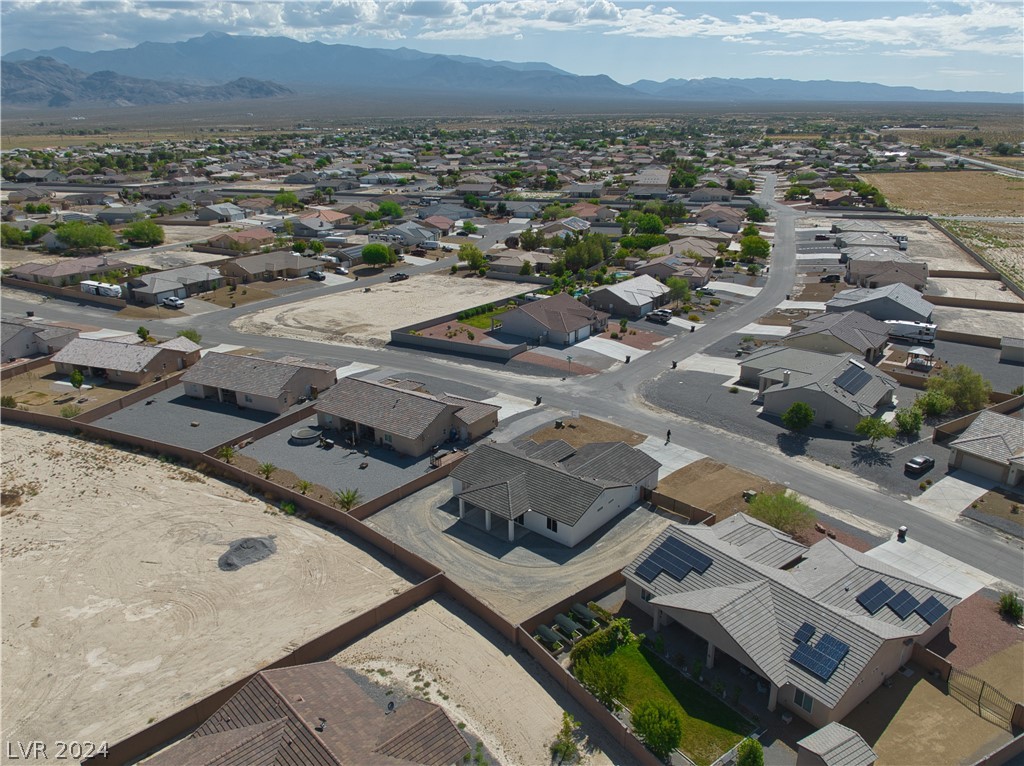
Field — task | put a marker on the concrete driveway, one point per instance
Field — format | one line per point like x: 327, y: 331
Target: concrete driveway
x: 611, y: 348
x: 671, y: 456
x: 947, y: 497
x: 932, y: 566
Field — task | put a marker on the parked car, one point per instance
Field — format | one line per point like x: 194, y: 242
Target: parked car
x: 341, y: 270
x: 657, y: 318
x: 821, y: 237
x: 829, y: 278
x: 919, y: 464
x: 398, y: 277
x: 318, y: 276
x: 705, y: 291
x: 172, y: 302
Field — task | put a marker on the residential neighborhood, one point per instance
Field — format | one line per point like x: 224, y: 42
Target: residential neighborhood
x: 413, y: 442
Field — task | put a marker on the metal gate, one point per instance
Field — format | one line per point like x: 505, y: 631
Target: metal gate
x: 985, y: 700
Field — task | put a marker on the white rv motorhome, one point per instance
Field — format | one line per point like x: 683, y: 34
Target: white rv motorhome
x: 922, y: 331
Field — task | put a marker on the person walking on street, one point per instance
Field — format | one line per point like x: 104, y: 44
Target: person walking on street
x: 668, y: 436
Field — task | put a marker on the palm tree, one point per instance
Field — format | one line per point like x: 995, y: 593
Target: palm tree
x: 267, y: 469
x: 347, y: 499
x: 226, y: 453
x: 303, y: 486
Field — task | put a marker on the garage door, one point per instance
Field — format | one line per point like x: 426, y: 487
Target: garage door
x: 982, y: 467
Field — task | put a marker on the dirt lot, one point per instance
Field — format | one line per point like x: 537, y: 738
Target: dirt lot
x: 1003, y: 504
x: 993, y: 324
x: 480, y: 679
x: 1001, y: 243
x: 12, y: 256
x: 115, y: 611
x: 585, y: 430
x: 976, y: 634
x: 973, y: 289
x: 367, y: 318
x: 818, y: 291
x: 47, y: 391
x: 161, y: 260
x: 714, y: 486
x: 961, y: 193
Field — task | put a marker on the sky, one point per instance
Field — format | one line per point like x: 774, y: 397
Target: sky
x: 933, y: 45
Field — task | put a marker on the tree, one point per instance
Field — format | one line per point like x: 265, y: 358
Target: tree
x: 469, y: 227
x: 754, y: 247
x: 967, y: 389
x: 10, y: 235
x: 298, y: 246
x: 226, y: 453
x: 750, y: 753
x: 657, y: 725
x: 143, y: 334
x: 603, y: 677
x: 783, y: 510
x: 909, y: 420
x: 347, y: 499
x: 472, y: 255
x: 526, y: 269
x: 564, y: 748
x: 286, y: 200
x: 317, y: 246
x: 78, y: 235
x: 144, y: 233
x: 678, y: 289
x: 77, y: 379
x: 389, y: 209
x: 267, y: 470
x: 190, y: 333
x: 875, y: 429
x: 757, y: 214
x: 798, y: 416
x: 376, y: 254
x: 303, y: 486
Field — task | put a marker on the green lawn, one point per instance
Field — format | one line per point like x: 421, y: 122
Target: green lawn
x: 483, y: 321
x: 710, y: 727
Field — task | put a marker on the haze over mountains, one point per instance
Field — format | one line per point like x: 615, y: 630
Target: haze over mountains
x: 265, y: 64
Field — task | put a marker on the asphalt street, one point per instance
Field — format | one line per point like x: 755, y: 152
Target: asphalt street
x: 615, y: 396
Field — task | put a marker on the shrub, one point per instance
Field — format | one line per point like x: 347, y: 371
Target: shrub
x: 750, y: 753
x: 693, y: 318
x: 968, y: 390
x: 8, y: 401
x: 267, y: 470
x: 564, y: 748
x: 1011, y: 606
x: 933, y: 403
x: 1018, y: 391
x: 471, y: 335
x: 658, y: 726
x: 798, y: 416
x: 226, y: 453
x: 143, y: 333
x: 191, y: 334
x: 70, y: 411
x: 454, y: 269
x: 288, y: 507
x: 783, y: 510
x: 715, y: 302
x: 614, y: 335
x: 909, y: 420
x: 605, y: 641
x: 733, y: 390
x: 303, y: 486
x: 602, y: 677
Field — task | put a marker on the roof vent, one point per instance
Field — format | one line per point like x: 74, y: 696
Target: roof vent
x: 785, y: 377
x: 322, y: 725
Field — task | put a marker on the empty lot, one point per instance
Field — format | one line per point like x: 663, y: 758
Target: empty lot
x: 364, y: 318
x: 115, y: 610
x: 959, y: 193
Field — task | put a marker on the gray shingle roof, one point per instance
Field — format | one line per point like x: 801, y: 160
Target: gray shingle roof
x: 761, y: 607
x: 403, y: 413
x: 758, y: 541
x: 274, y: 261
x: 837, y: 745
x: 243, y: 374
x: 638, y: 291
x: 107, y: 355
x: 899, y: 293
x: 561, y: 313
x: 992, y: 436
x: 856, y: 330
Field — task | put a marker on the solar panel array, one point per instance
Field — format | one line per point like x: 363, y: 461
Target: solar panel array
x: 822, y: 659
x: 804, y: 633
x: 875, y: 597
x: 674, y: 557
x: 853, y: 379
x: 832, y: 647
x: 903, y: 604
x: 931, y: 610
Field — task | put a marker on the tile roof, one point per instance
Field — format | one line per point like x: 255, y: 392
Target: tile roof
x: 761, y: 607
x: 898, y: 293
x: 638, y: 291
x: 180, y: 343
x: 561, y: 313
x: 396, y: 411
x: 243, y: 374
x: 107, y: 354
x: 509, y: 479
x: 68, y: 267
x: 759, y: 542
x: 274, y: 261
x: 856, y: 330
x: 838, y: 745
x: 992, y: 436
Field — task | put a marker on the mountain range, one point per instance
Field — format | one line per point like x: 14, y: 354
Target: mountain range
x: 252, y: 67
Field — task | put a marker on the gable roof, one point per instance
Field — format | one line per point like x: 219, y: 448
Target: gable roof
x: 107, y: 354
x: 245, y: 374
x: 856, y: 330
x: 898, y: 293
x: 838, y: 745
x: 759, y: 542
x: 638, y: 291
x: 994, y: 437
x: 387, y: 408
x: 561, y: 313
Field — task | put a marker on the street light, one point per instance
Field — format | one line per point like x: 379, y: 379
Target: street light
x: 569, y: 360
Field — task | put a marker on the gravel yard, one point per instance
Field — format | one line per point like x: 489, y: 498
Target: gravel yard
x: 161, y: 260
x: 975, y: 290
x: 480, y: 679
x: 367, y: 318
x: 116, y: 613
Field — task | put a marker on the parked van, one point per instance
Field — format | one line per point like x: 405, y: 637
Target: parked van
x: 431, y: 244
x: 898, y: 328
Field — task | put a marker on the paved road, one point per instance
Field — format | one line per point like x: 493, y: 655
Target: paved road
x: 982, y: 164
x: 615, y: 396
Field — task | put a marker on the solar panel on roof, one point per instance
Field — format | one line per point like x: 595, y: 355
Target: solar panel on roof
x: 694, y: 558
x: 931, y: 610
x: 813, y: 661
x: 875, y: 597
x: 832, y: 647
x: 804, y: 633
x: 672, y: 564
x: 853, y: 379
x: 903, y: 604
x: 648, y: 571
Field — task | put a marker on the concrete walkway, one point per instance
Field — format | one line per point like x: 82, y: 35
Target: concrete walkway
x: 611, y: 348
x: 223, y: 348
x: 772, y: 330
x: 354, y: 368
x: 510, y: 405
x: 802, y: 305
x: 932, y: 566
x: 716, y: 365
x: 671, y: 456
x: 951, y: 494
x: 732, y: 287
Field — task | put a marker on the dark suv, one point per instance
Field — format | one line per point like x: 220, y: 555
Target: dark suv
x: 398, y: 277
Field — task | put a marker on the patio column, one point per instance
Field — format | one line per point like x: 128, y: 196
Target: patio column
x: 657, y: 619
x: 773, y: 696
x: 511, y: 531
x: 487, y: 520
x: 710, y: 663
x: 462, y: 508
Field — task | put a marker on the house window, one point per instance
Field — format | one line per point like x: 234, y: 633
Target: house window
x: 804, y: 700
x: 646, y: 595
x: 519, y: 519
x: 247, y: 398
x: 552, y: 525
x: 387, y: 438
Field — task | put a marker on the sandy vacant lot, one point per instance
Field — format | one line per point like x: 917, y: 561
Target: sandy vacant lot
x: 367, y: 319
x: 115, y: 610
x: 503, y: 696
x: 994, y: 324
x: 962, y: 193
x: 972, y: 289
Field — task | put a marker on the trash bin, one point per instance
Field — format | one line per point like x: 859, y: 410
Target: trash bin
x: 538, y: 402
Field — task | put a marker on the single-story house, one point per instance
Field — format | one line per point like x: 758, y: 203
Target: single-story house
x: 402, y: 415
x: 130, y: 363
x: 570, y: 225
x: 841, y: 389
x: 993, y: 447
x: 710, y: 194
x: 560, y: 319
x: 280, y: 264
x: 244, y: 240
x: 554, y: 489
x: 891, y: 302
x: 681, y: 266
x: 1011, y: 350
x: 592, y: 213
x: 223, y: 212
x: 833, y: 198
x: 847, y: 239
x: 632, y: 298
x: 857, y: 225
x: 22, y: 337
x: 584, y: 190
x: 849, y: 332
x: 114, y: 216
x: 834, y: 745
x: 178, y: 283
x: 317, y: 714
x: 407, y: 234
x: 68, y: 271
x: 511, y: 261
x: 38, y: 175
x: 443, y: 224
x: 256, y: 205
x: 257, y: 384
x: 309, y: 226
x: 873, y: 267
x: 727, y: 219
x: 823, y: 634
